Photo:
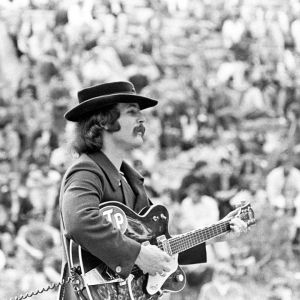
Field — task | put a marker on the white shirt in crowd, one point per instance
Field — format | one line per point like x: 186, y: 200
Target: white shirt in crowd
x: 284, y: 191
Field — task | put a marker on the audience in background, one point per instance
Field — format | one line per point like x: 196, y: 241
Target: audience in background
x: 228, y: 79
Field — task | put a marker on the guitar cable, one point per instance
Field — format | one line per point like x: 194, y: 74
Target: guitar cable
x: 42, y: 290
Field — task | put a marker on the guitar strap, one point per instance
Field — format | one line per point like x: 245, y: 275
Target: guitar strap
x: 67, y: 268
x: 76, y: 279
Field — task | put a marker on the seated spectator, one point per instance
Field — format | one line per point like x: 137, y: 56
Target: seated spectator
x: 253, y: 192
x: 282, y: 184
x: 38, y: 239
x: 198, y: 209
x: 5, y: 171
x: 224, y: 180
x: 45, y: 136
x: 224, y: 185
x: 60, y: 157
x: 222, y: 285
x: 42, y: 184
x: 252, y: 104
x: 35, y: 243
x: 12, y: 144
x: 8, y: 278
x: 194, y: 176
x: 6, y: 226
x: 52, y: 265
x: 280, y: 289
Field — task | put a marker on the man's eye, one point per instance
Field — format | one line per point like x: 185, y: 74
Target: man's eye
x: 132, y: 111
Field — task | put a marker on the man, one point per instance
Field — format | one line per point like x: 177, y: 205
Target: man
x: 282, y: 186
x: 110, y: 124
x: 222, y: 286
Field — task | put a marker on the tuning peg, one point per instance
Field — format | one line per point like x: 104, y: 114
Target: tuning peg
x: 251, y: 222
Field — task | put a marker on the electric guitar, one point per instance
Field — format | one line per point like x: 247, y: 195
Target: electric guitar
x: 150, y: 226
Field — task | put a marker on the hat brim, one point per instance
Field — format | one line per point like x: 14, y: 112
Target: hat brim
x: 91, y: 106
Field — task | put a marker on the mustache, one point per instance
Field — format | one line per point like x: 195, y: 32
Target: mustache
x: 139, y: 129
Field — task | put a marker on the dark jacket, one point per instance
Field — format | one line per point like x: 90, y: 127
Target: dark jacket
x: 89, y: 181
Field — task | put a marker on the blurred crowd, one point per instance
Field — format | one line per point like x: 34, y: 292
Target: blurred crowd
x: 226, y: 130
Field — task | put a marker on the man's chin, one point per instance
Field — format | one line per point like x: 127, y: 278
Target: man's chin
x: 139, y: 141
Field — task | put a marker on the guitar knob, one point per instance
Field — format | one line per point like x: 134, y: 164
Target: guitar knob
x: 179, y: 277
x: 163, y: 217
x: 155, y: 218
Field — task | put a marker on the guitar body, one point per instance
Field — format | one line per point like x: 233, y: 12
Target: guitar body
x: 150, y: 226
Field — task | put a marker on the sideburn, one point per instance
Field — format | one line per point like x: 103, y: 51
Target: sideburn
x: 111, y: 120
x: 114, y: 127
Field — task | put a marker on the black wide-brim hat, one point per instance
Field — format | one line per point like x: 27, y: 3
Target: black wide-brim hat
x: 95, y: 98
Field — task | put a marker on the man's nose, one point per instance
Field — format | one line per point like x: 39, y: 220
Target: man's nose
x: 141, y: 119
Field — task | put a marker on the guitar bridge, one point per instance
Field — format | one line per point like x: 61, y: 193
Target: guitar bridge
x: 164, y: 244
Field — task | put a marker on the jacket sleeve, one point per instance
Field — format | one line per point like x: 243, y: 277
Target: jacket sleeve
x: 194, y: 255
x: 83, y: 223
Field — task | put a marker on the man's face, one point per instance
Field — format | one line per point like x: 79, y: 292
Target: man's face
x: 132, y: 130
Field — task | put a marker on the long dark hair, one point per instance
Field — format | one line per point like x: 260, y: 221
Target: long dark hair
x: 89, y: 131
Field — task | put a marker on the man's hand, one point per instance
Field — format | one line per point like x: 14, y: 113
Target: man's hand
x: 152, y: 260
x: 236, y: 224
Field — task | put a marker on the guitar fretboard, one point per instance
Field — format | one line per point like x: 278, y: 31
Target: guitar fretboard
x: 193, y: 238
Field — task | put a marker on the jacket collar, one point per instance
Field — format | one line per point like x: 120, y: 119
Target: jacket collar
x: 131, y: 174
x: 112, y: 174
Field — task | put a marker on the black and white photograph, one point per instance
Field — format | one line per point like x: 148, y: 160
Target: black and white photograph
x: 149, y: 149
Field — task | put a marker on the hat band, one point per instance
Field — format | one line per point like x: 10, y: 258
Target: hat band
x: 109, y: 95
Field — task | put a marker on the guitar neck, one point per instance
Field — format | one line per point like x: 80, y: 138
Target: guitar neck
x: 193, y: 238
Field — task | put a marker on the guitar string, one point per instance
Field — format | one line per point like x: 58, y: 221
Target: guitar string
x: 190, y: 239
x: 204, y: 231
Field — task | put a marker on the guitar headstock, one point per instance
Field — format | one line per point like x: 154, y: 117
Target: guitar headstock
x: 246, y: 214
